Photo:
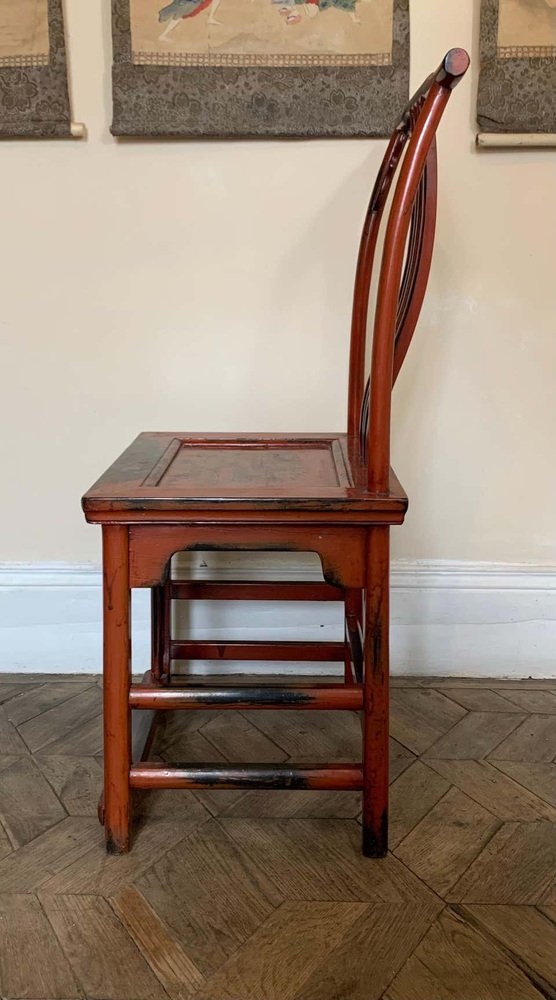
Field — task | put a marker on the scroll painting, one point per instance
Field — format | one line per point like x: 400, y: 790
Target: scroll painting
x: 34, y: 98
x: 517, y: 88
x: 259, y: 67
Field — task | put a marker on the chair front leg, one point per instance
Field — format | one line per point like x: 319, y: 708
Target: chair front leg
x: 117, y: 680
x: 375, y: 698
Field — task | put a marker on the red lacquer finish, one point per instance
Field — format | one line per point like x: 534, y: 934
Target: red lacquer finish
x: 337, y: 777
x: 117, y: 681
x: 325, y: 697
x: 332, y: 494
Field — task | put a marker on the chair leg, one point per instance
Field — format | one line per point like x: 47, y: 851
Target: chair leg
x: 166, y: 634
x: 156, y: 611
x: 375, y: 728
x: 117, y: 680
x: 353, y: 663
x: 160, y: 634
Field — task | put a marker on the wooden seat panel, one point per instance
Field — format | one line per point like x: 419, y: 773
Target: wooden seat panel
x: 211, y: 467
x: 159, y: 471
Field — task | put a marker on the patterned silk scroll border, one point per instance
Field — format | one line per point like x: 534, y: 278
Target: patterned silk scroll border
x: 516, y: 94
x: 34, y: 99
x: 253, y: 101
x: 526, y: 52
x: 23, y: 61
x: 179, y: 59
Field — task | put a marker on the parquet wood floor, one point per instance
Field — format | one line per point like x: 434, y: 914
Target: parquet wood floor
x: 265, y: 895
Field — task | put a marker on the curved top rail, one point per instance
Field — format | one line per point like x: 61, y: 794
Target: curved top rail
x: 452, y: 69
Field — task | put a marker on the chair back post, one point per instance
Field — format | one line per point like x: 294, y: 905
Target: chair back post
x: 450, y: 72
x: 403, y: 275
x: 363, y: 275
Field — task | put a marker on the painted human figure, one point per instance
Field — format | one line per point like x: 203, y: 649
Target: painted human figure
x: 314, y: 7
x: 180, y: 10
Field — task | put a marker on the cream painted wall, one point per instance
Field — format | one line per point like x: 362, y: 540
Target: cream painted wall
x: 170, y: 286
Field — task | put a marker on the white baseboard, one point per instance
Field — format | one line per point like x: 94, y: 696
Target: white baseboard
x: 448, y: 618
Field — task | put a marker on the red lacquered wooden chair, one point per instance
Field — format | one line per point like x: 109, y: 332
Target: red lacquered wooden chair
x: 333, y: 494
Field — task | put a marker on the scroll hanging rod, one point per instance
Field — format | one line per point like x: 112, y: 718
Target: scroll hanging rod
x: 516, y: 140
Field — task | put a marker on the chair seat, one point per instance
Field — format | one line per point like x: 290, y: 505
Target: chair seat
x: 180, y: 472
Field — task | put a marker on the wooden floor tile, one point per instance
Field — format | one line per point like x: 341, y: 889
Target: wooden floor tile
x: 103, y: 957
x: 9, y: 690
x: 167, y: 803
x: 240, y: 741
x: 368, y: 957
x: 543, y: 702
x: 97, y: 873
x: 281, y: 956
x: 28, y: 805
x: 475, y: 736
x: 400, y: 758
x: 8, y: 760
x: 178, y: 735
x: 516, y: 867
x: 419, y: 718
x: 210, y: 894
x: 447, y: 840
x: 191, y: 747
x: 455, y: 962
x: 412, y: 796
x: 539, y: 778
x: 10, y: 740
x: 217, y: 802
x: 77, y: 782
x: 534, y: 740
x: 494, y: 790
x: 312, y: 736
x: 310, y: 859
x: 480, y: 699
x: 547, y: 902
x: 486, y: 683
x: 178, y: 974
x: 27, y: 868
x: 6, y: 847
x: 285, y: 804
x: 33, y: 679
x: 83, y: 741
x: 527, y: 935
x: 52, y: 726
x: 37, y: 700
x: 32, y: 963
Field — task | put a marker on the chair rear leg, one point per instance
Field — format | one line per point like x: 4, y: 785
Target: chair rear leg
x: 156, y: 633
x: 161, y: 633
x: 353, y: 662
x: 375, y: 699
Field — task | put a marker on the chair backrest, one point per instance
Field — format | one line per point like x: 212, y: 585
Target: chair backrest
x: 404, y: 269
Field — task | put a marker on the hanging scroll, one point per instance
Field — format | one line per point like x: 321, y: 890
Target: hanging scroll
x: 34, y: 99
x: 517, y: 88
x: 259, y: 67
